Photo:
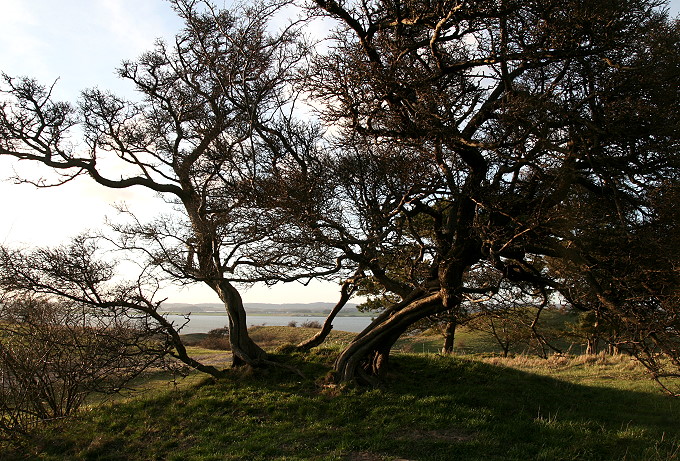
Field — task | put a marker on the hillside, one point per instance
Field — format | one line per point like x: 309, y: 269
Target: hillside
x: 432, y: 408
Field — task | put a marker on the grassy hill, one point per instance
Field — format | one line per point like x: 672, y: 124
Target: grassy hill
x: 432, y: 408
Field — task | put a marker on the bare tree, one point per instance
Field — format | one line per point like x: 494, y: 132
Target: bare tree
x: 461, y: 138
x: 76, y: 276
x: 196, y: 138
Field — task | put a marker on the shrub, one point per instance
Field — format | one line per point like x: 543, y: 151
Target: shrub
x: 311, y: 324
x: 217, y: 339
x: 54, y: 354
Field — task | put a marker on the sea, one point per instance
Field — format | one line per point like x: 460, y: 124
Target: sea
x: 203, y: 323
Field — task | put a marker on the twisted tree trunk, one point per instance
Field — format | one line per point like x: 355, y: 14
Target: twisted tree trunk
x: 243, y: 348
x: 365, y: 359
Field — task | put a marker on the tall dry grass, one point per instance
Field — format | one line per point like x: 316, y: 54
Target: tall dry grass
x: 564, y: 361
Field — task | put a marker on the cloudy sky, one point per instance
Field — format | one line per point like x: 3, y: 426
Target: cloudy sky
x: 81, y: 43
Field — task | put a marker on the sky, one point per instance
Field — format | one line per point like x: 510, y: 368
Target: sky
x: 81, y: 43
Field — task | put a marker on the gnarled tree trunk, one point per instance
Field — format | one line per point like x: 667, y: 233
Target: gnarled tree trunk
x: 243, y: 348
x: 449, y: 335
x: 365, y: 359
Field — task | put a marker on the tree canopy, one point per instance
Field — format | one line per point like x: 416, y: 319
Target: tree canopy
x: 438, y: 153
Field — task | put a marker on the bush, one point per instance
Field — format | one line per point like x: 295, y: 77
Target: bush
x: 311, y: 324
x: 217, y: 339
x: 54, y: 354
x: 219, y: 332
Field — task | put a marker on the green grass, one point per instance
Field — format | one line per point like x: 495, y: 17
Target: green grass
x: 432, y: 408
x: 468, y: 341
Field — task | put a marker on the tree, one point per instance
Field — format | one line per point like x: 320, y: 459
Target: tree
x: 211, y: 105
x: 74, y: 287
x: 513, y: 319
x: 631, y: 287
x: 486, y: 120
x: 456, y: 143
x: 348, y: 288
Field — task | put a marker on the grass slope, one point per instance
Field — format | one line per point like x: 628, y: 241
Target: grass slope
x: 433, y: 408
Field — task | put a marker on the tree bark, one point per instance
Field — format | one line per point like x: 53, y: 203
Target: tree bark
x: 365, y: 359
x: 449, y: 336
x: 243, y: 348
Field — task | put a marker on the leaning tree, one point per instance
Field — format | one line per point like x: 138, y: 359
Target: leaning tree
x: 212, y: 112
x: 459, y: 141
x: 465, y: 133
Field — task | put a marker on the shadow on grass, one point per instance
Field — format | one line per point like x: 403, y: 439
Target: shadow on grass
x: 510, y: 414
x: 434, y: 408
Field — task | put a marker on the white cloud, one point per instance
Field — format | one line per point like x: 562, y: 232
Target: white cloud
x: 83, y: 42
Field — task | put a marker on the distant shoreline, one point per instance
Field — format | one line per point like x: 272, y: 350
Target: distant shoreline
x: 275, y: 314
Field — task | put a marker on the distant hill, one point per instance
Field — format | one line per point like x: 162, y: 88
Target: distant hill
x: 262, y: 308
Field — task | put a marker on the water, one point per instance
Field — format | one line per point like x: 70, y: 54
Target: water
x: 205, y: 323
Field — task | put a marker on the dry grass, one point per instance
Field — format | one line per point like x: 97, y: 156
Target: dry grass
x: 564, y: 361
x: 620, y: 371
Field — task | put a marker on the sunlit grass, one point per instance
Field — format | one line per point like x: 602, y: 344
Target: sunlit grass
x: 432, y: 408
